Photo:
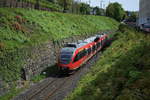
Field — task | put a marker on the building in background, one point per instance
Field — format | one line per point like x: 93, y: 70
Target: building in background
x: 144, y: 12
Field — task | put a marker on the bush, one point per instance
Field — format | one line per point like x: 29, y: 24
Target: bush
x: 122, y: 73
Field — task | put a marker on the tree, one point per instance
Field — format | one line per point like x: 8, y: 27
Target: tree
x: 115, y: 11
x: 37, y: 5
x: 66, y: 4
x: 85, y: 8
x: 76, y: 7
x: 98, y: 11
x: 53, y: 1
x: 131, y: 16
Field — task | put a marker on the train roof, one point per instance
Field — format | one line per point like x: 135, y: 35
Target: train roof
x: 71, y: 47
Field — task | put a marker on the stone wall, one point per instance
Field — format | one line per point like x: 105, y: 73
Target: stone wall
x: 44, y: 56
x: 37, y: 59
x: 3, y: 88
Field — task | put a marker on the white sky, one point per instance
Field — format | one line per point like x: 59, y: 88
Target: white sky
x: 131, y: 5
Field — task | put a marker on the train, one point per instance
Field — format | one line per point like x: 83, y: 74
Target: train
x: 73, y: 55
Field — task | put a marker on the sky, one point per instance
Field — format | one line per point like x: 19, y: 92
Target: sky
x: 130, y: 5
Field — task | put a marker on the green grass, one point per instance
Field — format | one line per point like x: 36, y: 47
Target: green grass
x: 122, y: 73
x: 20, y: 27
x: 46, y: 4
x: 23, y: 29
x: 13, y: 92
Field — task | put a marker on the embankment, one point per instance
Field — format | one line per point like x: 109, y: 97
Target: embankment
x: 123, y: 71
x: 30, y: 40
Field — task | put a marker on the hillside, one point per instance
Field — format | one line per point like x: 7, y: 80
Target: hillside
x: 123, y: 71
x: 46, y: 4
x: 32, y: 4
x: 24, y: 33
x: 20, y: 27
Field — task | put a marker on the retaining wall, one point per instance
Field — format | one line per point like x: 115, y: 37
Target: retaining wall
x: 44, y: 56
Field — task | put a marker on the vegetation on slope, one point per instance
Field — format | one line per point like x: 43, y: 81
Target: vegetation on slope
x: 122, y: 73
x: 22, y: 29
x: 46, y: 4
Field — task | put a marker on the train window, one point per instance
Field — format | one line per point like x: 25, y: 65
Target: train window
x: 105, y: 39
x: 77, y: 57
x: 70, y: 45
x: 96, y: 39
x: 101, y: 42
x: 83, y: 53
x: 65, y: 58
x: 98, y: 45
x: 80, y: 55
x: 94, y: 48
x: 89, y: 51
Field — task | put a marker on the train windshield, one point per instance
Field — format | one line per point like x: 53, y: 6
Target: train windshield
x: 65, y: 57
x: 146, y: 26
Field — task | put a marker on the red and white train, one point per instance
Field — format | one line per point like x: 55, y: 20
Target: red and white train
x: 74, y: 55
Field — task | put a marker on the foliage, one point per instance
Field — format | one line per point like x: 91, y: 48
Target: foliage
x: 66, y: 4
x: 12, y: 93
x: 131, y: 16
x: 115, y: 11
x: 122, y: 73
x: 85, y: 8
x: 98, y: 11
x: 20, y: 27
x: 51, y: 4
x: 21, y: 30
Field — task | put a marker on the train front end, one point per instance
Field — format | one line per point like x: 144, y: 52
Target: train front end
x: 65, y: 59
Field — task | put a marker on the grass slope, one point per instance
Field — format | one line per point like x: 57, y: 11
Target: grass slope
x: 46, y: 4
x: 21, y: 29
x: 122, y: 73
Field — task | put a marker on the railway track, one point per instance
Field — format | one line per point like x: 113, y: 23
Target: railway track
x: 58, y: 87
x: 42, y: 89
x: 49, y: 88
